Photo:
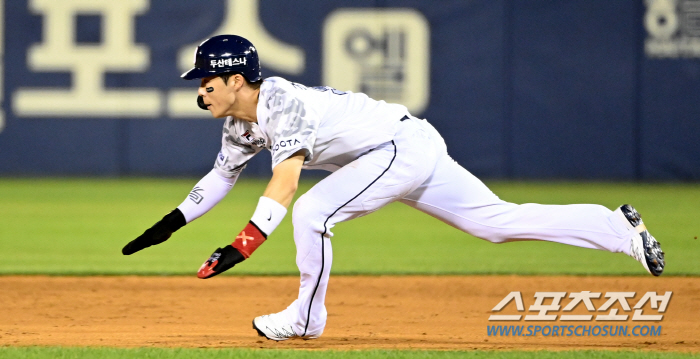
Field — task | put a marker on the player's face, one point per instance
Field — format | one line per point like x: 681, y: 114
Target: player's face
x: 217, y: 96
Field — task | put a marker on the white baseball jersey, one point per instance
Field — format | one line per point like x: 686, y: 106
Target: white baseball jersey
x: 332, y: 127
x: 335, y: 128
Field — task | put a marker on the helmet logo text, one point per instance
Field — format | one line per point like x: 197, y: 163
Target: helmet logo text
x: 227, y: 62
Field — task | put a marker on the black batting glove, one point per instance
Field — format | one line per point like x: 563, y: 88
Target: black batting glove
x: 157, y: 234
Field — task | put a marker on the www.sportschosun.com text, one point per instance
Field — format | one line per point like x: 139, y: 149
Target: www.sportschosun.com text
x: 574, y: 330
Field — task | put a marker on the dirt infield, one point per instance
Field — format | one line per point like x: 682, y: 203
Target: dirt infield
x: 388, y: 312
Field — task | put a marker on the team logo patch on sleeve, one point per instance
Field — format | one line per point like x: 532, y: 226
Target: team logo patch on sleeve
x: 195, y: 196
x: 260, y: 142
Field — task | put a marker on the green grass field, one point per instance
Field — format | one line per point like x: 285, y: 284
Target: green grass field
x: 78, y: 227
x: 110, y: 353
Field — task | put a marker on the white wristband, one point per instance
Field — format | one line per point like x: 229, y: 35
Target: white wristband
x: 268, y: 215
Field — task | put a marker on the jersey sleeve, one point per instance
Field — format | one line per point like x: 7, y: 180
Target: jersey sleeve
x: 291, y: 127
x: 234, y: 154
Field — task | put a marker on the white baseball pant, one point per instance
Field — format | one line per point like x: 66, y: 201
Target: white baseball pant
x: 415, y: 169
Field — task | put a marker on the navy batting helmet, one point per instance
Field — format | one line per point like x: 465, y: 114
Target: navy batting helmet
x: 225, y: 53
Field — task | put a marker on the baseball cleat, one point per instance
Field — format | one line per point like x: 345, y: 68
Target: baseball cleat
x: 643, y: 247
x: 273, y: 327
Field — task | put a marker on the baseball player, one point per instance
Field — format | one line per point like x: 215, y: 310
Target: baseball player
x: 378, y: 153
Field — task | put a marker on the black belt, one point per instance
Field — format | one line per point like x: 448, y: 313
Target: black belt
x: 406, y: 117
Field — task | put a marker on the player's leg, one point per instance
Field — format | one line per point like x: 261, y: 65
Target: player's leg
x: 383, y: 175
x: 455, y: 196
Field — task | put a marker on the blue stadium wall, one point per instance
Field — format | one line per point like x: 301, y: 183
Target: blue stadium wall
x: 536, y: 89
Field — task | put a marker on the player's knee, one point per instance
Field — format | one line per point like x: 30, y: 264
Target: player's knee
x: 489, y: 234
x: 301, y: 206
x: 493, y: 224
x: 306, y: 210
x: 497, y: 239
x: 489, y: 231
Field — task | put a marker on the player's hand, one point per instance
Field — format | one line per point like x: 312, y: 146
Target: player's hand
x: 225, y: 258
x: 157, y: 234
x: 220, y: 261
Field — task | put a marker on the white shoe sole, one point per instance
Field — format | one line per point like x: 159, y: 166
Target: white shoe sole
x: 637, y: 248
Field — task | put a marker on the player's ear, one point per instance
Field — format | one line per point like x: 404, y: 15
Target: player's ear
x: 238, y: 81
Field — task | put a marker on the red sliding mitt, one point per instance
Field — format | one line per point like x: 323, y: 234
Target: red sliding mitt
x: 225, y: 258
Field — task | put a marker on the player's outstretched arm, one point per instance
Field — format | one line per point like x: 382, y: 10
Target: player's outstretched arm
x: 157, y: 234
x: 209, y: 191
x: 271, y: 208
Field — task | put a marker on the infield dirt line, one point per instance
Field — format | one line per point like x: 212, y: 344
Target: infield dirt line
x: 364, y: 312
